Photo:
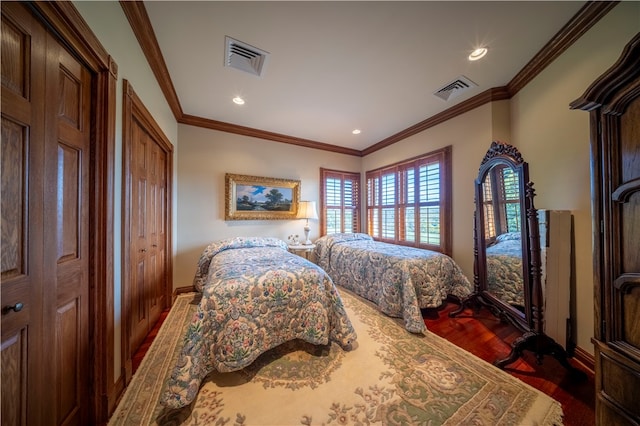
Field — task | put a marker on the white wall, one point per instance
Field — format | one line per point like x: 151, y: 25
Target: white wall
x: 556, y: 142
x: 204, y: 156
x: 108, y: 22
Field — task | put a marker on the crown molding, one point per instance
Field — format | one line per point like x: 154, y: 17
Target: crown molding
x: 222, y: 126
x: 140, y: 23
x: 579, y: 24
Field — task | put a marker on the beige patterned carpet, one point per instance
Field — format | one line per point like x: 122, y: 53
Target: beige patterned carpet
x: 391, y: 377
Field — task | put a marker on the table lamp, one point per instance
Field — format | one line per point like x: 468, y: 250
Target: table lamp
x: 307, y: 210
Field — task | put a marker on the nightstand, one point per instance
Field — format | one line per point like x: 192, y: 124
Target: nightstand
x: 302, y: 249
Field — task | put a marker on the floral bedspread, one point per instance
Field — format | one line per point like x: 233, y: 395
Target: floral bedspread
x: 504, y: 269
x: 399, y: 280
x: 255, y: 296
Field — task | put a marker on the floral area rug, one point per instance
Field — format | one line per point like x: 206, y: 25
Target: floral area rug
x: 391, y: 377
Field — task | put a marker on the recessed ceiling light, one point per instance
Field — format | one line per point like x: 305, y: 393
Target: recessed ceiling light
x: 356, y: 131
x: 478, y: 53
x: 238, y: 100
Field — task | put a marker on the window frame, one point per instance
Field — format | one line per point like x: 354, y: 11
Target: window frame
x: 495, y: 206
x: 374, y: 207
x: 343, y: 176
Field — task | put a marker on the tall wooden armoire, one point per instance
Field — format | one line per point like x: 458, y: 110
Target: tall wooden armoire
x: 614, y: 104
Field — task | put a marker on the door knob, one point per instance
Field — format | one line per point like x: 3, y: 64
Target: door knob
x: 143, y: 250
x: 16, y: 308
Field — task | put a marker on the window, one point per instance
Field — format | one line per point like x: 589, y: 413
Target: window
x: 409, y: 202
x: 339, y: 202
x: 502, y: 210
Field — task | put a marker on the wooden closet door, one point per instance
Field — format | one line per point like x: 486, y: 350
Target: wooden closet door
x: 146, y: 215
x: 148, y: 247
x: 22, y: 216
x: 66, y: 231
x: 139, y: 243
x: 157, y: 232
x: 46, y: 101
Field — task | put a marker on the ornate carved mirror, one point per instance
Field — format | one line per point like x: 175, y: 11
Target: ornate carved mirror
x: 507, y: 253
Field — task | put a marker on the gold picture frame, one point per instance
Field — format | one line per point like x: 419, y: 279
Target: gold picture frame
x: 260, y: 198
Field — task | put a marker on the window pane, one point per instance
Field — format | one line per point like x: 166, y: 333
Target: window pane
x: 430, y: 182
x: 388, y: 223
x: 489, y: 213
x: 333, y: 221
x: 374, y: 224
x: 388, y: 190
x: 409, y: 224
x: 430, y: 225
x: 510, y: 184
x: 410, y: 186
x: 349, y: 223
x: 332, y: 191
x: 348, y: 193
x: 513, y: 217
x: 373, y: 188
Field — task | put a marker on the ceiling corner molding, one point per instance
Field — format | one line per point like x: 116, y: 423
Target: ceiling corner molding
x: 579, y: 24
x: 140, y: 23
x: 262, y: 134
x: 490, y: 95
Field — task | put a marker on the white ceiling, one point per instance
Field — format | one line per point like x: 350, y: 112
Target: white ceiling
x: 334, y: 66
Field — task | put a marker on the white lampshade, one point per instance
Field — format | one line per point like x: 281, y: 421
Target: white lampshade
x: 307, y: 210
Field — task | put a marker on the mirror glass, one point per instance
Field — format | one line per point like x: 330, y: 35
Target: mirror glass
x: 502, y: 203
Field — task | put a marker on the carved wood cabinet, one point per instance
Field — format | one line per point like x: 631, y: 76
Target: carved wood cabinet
x: 614, y: 104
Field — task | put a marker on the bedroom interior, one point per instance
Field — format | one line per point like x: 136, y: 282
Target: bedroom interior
x: 137, y: 92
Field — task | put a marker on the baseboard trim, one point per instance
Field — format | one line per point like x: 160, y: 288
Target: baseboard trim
x: 584, y: 358
x: 118, y: 391
x: 181, y: 290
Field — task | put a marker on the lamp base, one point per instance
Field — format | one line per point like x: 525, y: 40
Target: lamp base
x: 307, y: 241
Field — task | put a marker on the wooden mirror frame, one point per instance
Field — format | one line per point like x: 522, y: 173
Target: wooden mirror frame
x: 504, y: 154
x: 530, y: 322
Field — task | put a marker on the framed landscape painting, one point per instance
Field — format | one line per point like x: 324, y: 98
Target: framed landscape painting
x: 260, y: 198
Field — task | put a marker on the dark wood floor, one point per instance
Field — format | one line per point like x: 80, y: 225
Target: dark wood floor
x: 144, y: 347
x: 488, y: 338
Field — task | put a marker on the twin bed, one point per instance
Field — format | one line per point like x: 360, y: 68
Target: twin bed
x: 399, y: 280
x: 256, y: 295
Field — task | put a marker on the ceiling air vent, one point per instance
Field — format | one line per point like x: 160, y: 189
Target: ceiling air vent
x: 455, y: 88
x: 244, y: 57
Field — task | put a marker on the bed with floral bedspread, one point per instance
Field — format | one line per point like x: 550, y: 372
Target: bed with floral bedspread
x: 504, y: 269
x: 400, y: 280
x: 255, y: 296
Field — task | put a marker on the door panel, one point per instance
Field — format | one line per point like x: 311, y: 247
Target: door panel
x: 624, y: 239
x: 46, y: 102
x: 139, y: 293
x: 21, y: 196
x: 66, y: 249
